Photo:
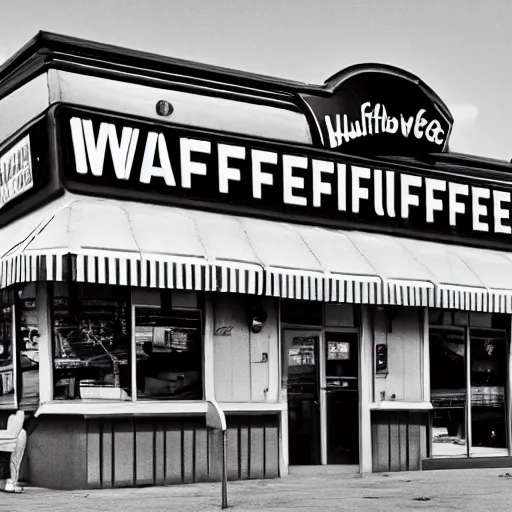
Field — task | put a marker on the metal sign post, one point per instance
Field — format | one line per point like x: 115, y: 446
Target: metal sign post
x: 215, y: 419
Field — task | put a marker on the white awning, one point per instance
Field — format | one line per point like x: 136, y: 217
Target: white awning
x: 125, y: 243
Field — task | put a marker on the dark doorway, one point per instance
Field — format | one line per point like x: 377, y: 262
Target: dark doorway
x: 342, y: 397
x: 301, y: 353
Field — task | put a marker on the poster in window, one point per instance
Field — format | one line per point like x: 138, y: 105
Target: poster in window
x: 177, y: 339
x: 338, y: 350
x: 302, y: 352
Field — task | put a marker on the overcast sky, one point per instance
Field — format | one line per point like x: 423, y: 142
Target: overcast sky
x: 461, y: 49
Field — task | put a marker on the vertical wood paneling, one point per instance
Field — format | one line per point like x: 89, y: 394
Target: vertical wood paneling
x: 404, y: 443
x: 201, y: 454
x: 188, y: 452
x: 123, y: 450
x: 398, y: 440
x: 414, y: 445
x: 144, y: 452
x: 394, y: 442
x: 271, y: 451
x: 233, y: 451
x: 173, y: 452
x: 215, y: 455
x: 257, y: 447
x: 94, y: 457
x: 159, y: 453
x: 423, y: 442
x: 380, y: 432
x: 244, y: 451
x: 106, y: 466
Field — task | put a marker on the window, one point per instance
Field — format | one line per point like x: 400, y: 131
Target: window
x: 301, y: 312
x: 169, y: 354
x: 468, y: 374
x: 92, y: 357
x: 6, y: 348
x: 93, y: 348
x: 27, y: 346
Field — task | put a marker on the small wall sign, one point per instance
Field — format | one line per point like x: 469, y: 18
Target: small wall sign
x: 338, y: 350
x: 16, y: 176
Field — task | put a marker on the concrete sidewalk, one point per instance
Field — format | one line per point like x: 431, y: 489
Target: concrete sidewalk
x: 468, y: 490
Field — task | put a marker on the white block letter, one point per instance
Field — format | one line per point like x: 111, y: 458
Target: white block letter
x: 148, y: 169
x: 188, y: 167
x: 500, y: 213
x: 433, y: 204
x: 96, y: 149
x: 359, y: 192
x: 478, y: 193
x: 227, y: 173
x: 319, y: 186
x: 77, y: 135
x: 407, y: 181
x: 258, y: 176
x: 378, y: 193
x: 290, y: 181
x: 454, y: 190
x: 342, y: 187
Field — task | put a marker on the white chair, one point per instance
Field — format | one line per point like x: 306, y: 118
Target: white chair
x: 13, y: 440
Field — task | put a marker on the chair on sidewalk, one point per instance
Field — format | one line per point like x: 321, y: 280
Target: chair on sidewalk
x: 13, y: 440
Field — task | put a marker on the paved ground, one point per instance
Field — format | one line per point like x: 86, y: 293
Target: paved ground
x: 469, y: 490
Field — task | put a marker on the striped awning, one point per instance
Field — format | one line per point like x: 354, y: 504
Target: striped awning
x: 133, y: 244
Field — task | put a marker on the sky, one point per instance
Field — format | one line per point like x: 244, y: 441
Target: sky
x: 461, y: 49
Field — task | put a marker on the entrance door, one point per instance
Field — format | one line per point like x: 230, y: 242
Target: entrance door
x: 342, y: 397
x: 323, y: 397
x: 301, y: 350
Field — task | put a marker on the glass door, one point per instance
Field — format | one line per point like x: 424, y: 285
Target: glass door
x: 448, y: 391
x: 342, y: 397
x: 301, y: 366
x: 468, y: 376
x: 488, y: 356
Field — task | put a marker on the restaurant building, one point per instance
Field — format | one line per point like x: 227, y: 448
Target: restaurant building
x: 312, y: 258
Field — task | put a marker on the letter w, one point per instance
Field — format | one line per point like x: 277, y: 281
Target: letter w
x: 88, y: 149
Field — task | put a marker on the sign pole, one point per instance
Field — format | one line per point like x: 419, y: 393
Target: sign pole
x: 215, y: 419
x: 225, y: 469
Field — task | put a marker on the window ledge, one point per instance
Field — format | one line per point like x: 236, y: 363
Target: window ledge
x: 112, y: 408
x: 8, y: 407
x: 143, y: 407
x: 229, y: 407
x: 395, y: 405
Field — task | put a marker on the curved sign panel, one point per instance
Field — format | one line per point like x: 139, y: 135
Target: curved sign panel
x: 380, y: 110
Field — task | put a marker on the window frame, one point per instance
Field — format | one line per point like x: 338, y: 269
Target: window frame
x: 135, y: 397
x: 468, y: 403
x: 14, y: 349
x: 73, y: 295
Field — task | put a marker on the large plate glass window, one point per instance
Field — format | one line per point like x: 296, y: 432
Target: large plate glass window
x: 27, y: 347
x: 468, y: 376
x: 91, y: 335
x: 7, y: 396
x: 169, y: 354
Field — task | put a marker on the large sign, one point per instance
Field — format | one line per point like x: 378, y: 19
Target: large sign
x: 16, y: 175
x: 119, y: 157
x: 380, y: 110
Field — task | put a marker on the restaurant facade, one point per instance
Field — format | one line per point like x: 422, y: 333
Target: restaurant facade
x: 314, y: 259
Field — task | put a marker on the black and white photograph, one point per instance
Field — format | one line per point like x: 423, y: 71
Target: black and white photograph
x: 255, y: 255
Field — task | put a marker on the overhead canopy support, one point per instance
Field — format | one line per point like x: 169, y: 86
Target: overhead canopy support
x: 132, y: 244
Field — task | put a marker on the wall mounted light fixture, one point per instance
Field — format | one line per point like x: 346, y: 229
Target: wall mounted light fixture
x: 256, y: 316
